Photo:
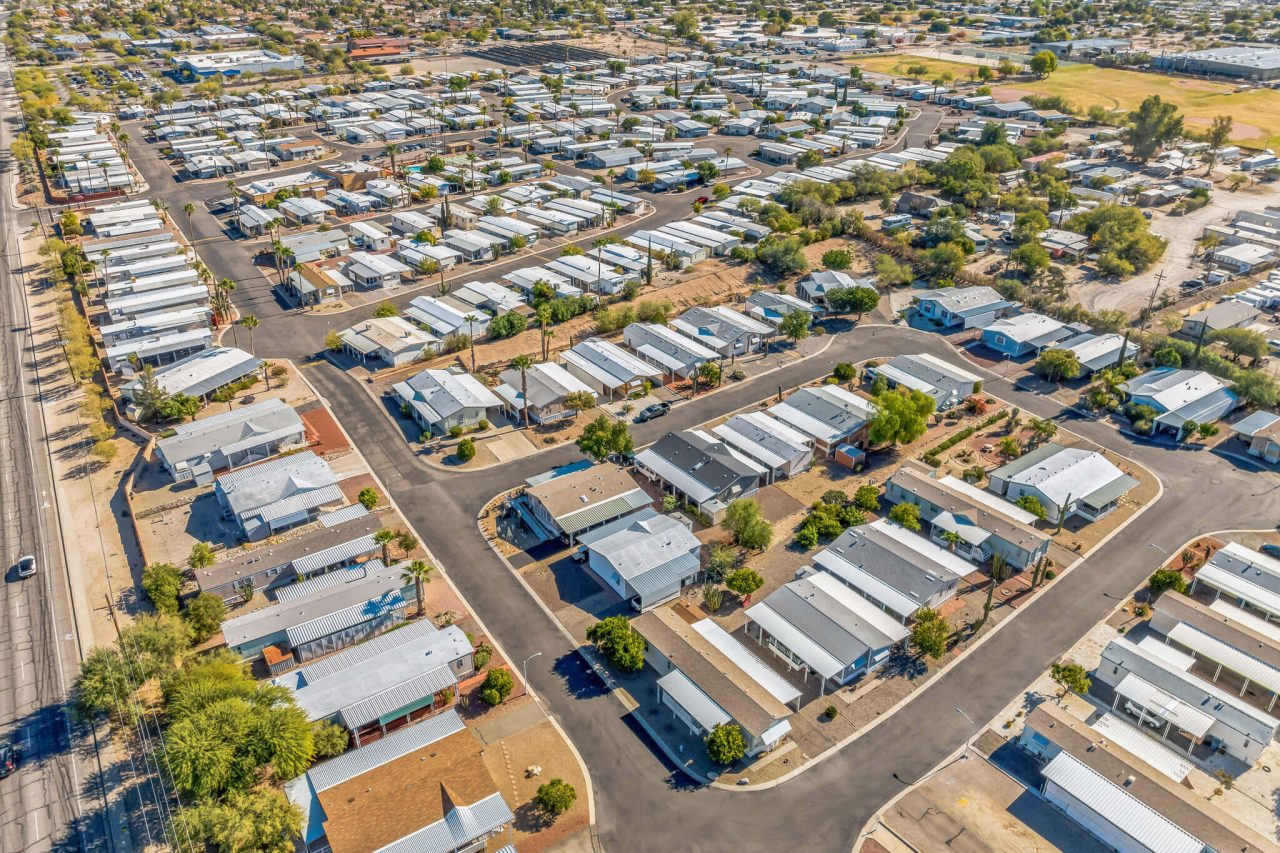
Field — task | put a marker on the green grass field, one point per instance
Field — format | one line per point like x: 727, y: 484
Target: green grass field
x: 897, y: 63
x: 1256, y: 112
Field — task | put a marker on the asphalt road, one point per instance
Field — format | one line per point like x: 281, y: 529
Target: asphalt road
x: 41, y: 805
x: 824, y: 808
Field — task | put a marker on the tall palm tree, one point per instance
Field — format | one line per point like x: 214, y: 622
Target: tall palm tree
x: 384, y: 538
x: 419, y: 572
x: 522, y: 363
x: 235, y: 196
x: 391, y: 151
x: 250, y: 322
x: 470, y: 320
x: 189, y: 209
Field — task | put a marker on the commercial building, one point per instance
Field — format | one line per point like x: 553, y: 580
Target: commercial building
x: 1249, y: 63
x: 233, y: 63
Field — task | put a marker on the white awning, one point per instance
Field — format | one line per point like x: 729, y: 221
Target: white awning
x: 1231, y: 583
x: 1227, y: 655
x: 698, y: 705
x: 818, y: 659
x: 1159, y: 704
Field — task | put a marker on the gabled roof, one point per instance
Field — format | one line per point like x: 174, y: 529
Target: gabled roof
x: 258, y: 486
x: 825, y: 412
x: 1065, y: 473
x: 828, y: 625
x: 437, y: 394
x: 547, y: 383
x: 1170, y: 389
x: 697, y: 464
x: 228, y: 431
x: 642, y: 544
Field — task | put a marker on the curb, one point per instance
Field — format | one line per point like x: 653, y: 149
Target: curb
x: 829, y: 752
x: 440, y: 567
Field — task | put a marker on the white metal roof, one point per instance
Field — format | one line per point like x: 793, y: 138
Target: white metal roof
x: 1119, y: 808
x: 1131, y: 739
x: 804, y: 648
x: 1227, y: 655
x: 689, y: 696
x: 756, y: 669
x: 1240, y: 587
x: 1160, y: 704
x: 1245, y: 618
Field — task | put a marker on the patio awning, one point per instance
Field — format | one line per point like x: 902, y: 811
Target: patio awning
x: 690, y: 697
x: 1159, y: 704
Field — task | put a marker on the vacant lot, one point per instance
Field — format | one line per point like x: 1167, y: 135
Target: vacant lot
x: 1256, y: 112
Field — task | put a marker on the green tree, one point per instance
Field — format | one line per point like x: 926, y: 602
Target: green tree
x: 1057, y: 365
x: 1163, y: 579
x: 1217, y: 135
x: 944, y: 261
x: 1154, y: 123
x: 725, y: 744
x: 930, y: 633
x: 579, y: 401
x: 162, y: 582
x: 329, y: 738
x: 906, y: 515
x: 709, y: 373
x: 262, y: 820
x: 1043, y: 63
x: 901, y: 416
x: 748, y: 527
x: 744, y: 581
x: 201, y: 556
x: 867, y: 497
x: 250, y: 322
x: 795, y: 325
x: 497, y: 686
x: 1032, y: 504
x: 1031, y: 259
x: 385, y: 309
x: 837, y: 259
x: 853, y: 299
x: 554, y: 798
x: 892, y: 273
x: 604, y: 437
x: 1070, y: 676
x: 621, y: 645
x: 419, y: 572
x: 1241, y: 342
x: 368, y: 497
x: 204, y: 616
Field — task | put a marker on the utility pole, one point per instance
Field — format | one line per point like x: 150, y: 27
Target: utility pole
x: 1151, y: 301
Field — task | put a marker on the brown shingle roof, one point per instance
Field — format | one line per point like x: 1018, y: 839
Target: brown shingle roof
x: 915, y: 477
x: 581, y: 489
x: 402, y: 796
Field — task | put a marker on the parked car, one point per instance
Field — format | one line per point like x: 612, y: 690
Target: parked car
x: 8, y: 759
x: 1271, y: 550
x: 648, y: 413
x: 26, y: 566
x: 1192, y: 284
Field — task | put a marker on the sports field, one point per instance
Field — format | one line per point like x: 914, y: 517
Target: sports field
x: 1256, y: 112
x: 898, y: 63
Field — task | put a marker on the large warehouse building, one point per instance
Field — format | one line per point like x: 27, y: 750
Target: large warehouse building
x: 1249, y: 63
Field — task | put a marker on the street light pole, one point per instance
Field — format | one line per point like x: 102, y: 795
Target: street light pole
x: 524, y: 669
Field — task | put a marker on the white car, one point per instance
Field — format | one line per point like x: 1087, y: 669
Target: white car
x: 26, y: 566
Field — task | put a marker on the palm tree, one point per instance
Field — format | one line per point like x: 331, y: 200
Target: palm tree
x: 470, y: 320
x: 235, y: 196
x: 384, y: 538
x: 418, y: 572
x: 189, y: 209
x: 391, y: 151
x: 952, y: 539
x: 250, y: 322
x: 523, y: 363
x: 544, y: 319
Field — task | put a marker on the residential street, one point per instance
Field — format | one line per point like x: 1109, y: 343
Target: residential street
x: 1202, y: 492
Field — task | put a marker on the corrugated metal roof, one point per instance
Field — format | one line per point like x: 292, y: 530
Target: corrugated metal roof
x: 462, y: 825
x: 1162, y: 705
x: 696, y: 703
x: 394, y: 698
x: 339, y: 553
x: 330, y: 580
x: 357, y: 762
x: 297, y: 503
x: 1119, y: 808
x: 342, y: 516
x: 345, y: 618
x: 660, y: 577
x: 588, y: 516
x: 357, y: 655
x: 1229, y: 582
x: 1229, y: 656
x: 800, y: 645
x: 1129, y: 738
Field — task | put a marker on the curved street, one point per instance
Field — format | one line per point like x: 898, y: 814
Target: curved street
x: 1202, y: 492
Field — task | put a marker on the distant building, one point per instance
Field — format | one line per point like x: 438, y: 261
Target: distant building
x: 1249, y: 63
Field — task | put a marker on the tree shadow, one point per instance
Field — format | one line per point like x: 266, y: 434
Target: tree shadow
x: 579, y: 679
x: 903, y: 665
